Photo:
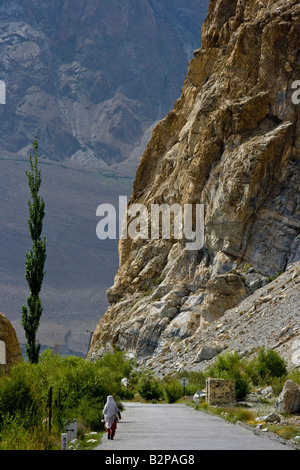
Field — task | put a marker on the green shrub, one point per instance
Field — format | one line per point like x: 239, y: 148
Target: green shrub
x: 14, y: 436
x: 157, y: 281
x: 17, y: 399
x: 239, y: 414
x: 173, y: 391
x: 89, y: 411
x: 286, y: 432
x: 230, y: 366
x: 271, y: 364
x: 149, y: 387
x: 117, y: 362
x: 79, y: 391
x: 266, y: 366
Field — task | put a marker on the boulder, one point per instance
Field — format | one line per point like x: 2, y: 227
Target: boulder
x: 208, y: 352
x: 11, y: 351
x: 289, y: 399
x: 272, y: 418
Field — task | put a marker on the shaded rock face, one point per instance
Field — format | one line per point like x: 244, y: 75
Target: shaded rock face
x: 91, y: 78
x: 232, y: 143
x: 289, y: 399
x: 8, y: 336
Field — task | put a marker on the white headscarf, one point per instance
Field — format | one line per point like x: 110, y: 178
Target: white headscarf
x: 110, y: 411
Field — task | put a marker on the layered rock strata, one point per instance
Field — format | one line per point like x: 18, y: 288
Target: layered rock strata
x: 232, y: 143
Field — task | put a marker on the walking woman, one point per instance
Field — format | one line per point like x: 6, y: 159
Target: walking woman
x: 110, y: 413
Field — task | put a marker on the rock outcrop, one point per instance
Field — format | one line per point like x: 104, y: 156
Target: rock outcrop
x: 232, y: 143
x: 289, y: 399
x: 8, y: 336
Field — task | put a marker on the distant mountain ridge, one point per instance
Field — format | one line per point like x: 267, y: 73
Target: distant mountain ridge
x: 90, y: 78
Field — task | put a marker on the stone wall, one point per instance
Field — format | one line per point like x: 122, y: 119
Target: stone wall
x: 220, y: 391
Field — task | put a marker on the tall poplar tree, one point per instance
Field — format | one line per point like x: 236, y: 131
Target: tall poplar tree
x: 35, y: 260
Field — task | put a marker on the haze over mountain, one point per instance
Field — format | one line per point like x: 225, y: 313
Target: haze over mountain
x: 90, y: 79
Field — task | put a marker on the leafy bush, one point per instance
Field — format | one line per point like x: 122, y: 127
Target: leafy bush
x: 266, y: 366
x: 79, y: 391
x: 17, y: 398
x: 89, y: 411
x: 149, y: 387
x: 230, y: 366
x: 239, y: 414
x: 269, y: 363
x: 14, y: 436
x: 173, y: 391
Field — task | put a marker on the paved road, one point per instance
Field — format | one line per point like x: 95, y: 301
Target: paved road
x: 179, y: 427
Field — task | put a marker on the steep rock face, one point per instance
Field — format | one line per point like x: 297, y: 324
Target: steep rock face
x: 12, y: 348
x: 232, y: 143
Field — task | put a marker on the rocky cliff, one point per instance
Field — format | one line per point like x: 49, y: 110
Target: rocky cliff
x: 89, y: 78
x: 8, y: 336
x: 232, y: 143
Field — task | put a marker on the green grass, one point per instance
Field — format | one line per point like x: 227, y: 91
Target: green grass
x: 229, y: 413
x: 79, y: 391
x: 287, y: 431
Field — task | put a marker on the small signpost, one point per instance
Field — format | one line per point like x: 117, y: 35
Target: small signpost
x: 69, y: 435
x: 184, y: 382
x: 72, y: 430
x: 64, y: 441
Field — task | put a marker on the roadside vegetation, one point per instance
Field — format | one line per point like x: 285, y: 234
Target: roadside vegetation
x: 266, y: 370
x: 38, y: 401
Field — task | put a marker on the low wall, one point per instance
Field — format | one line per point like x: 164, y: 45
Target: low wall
x: 220, y: 391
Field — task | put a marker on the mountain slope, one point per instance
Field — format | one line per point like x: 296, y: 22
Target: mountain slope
x: 89, y: 78
x: 231, y: 143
